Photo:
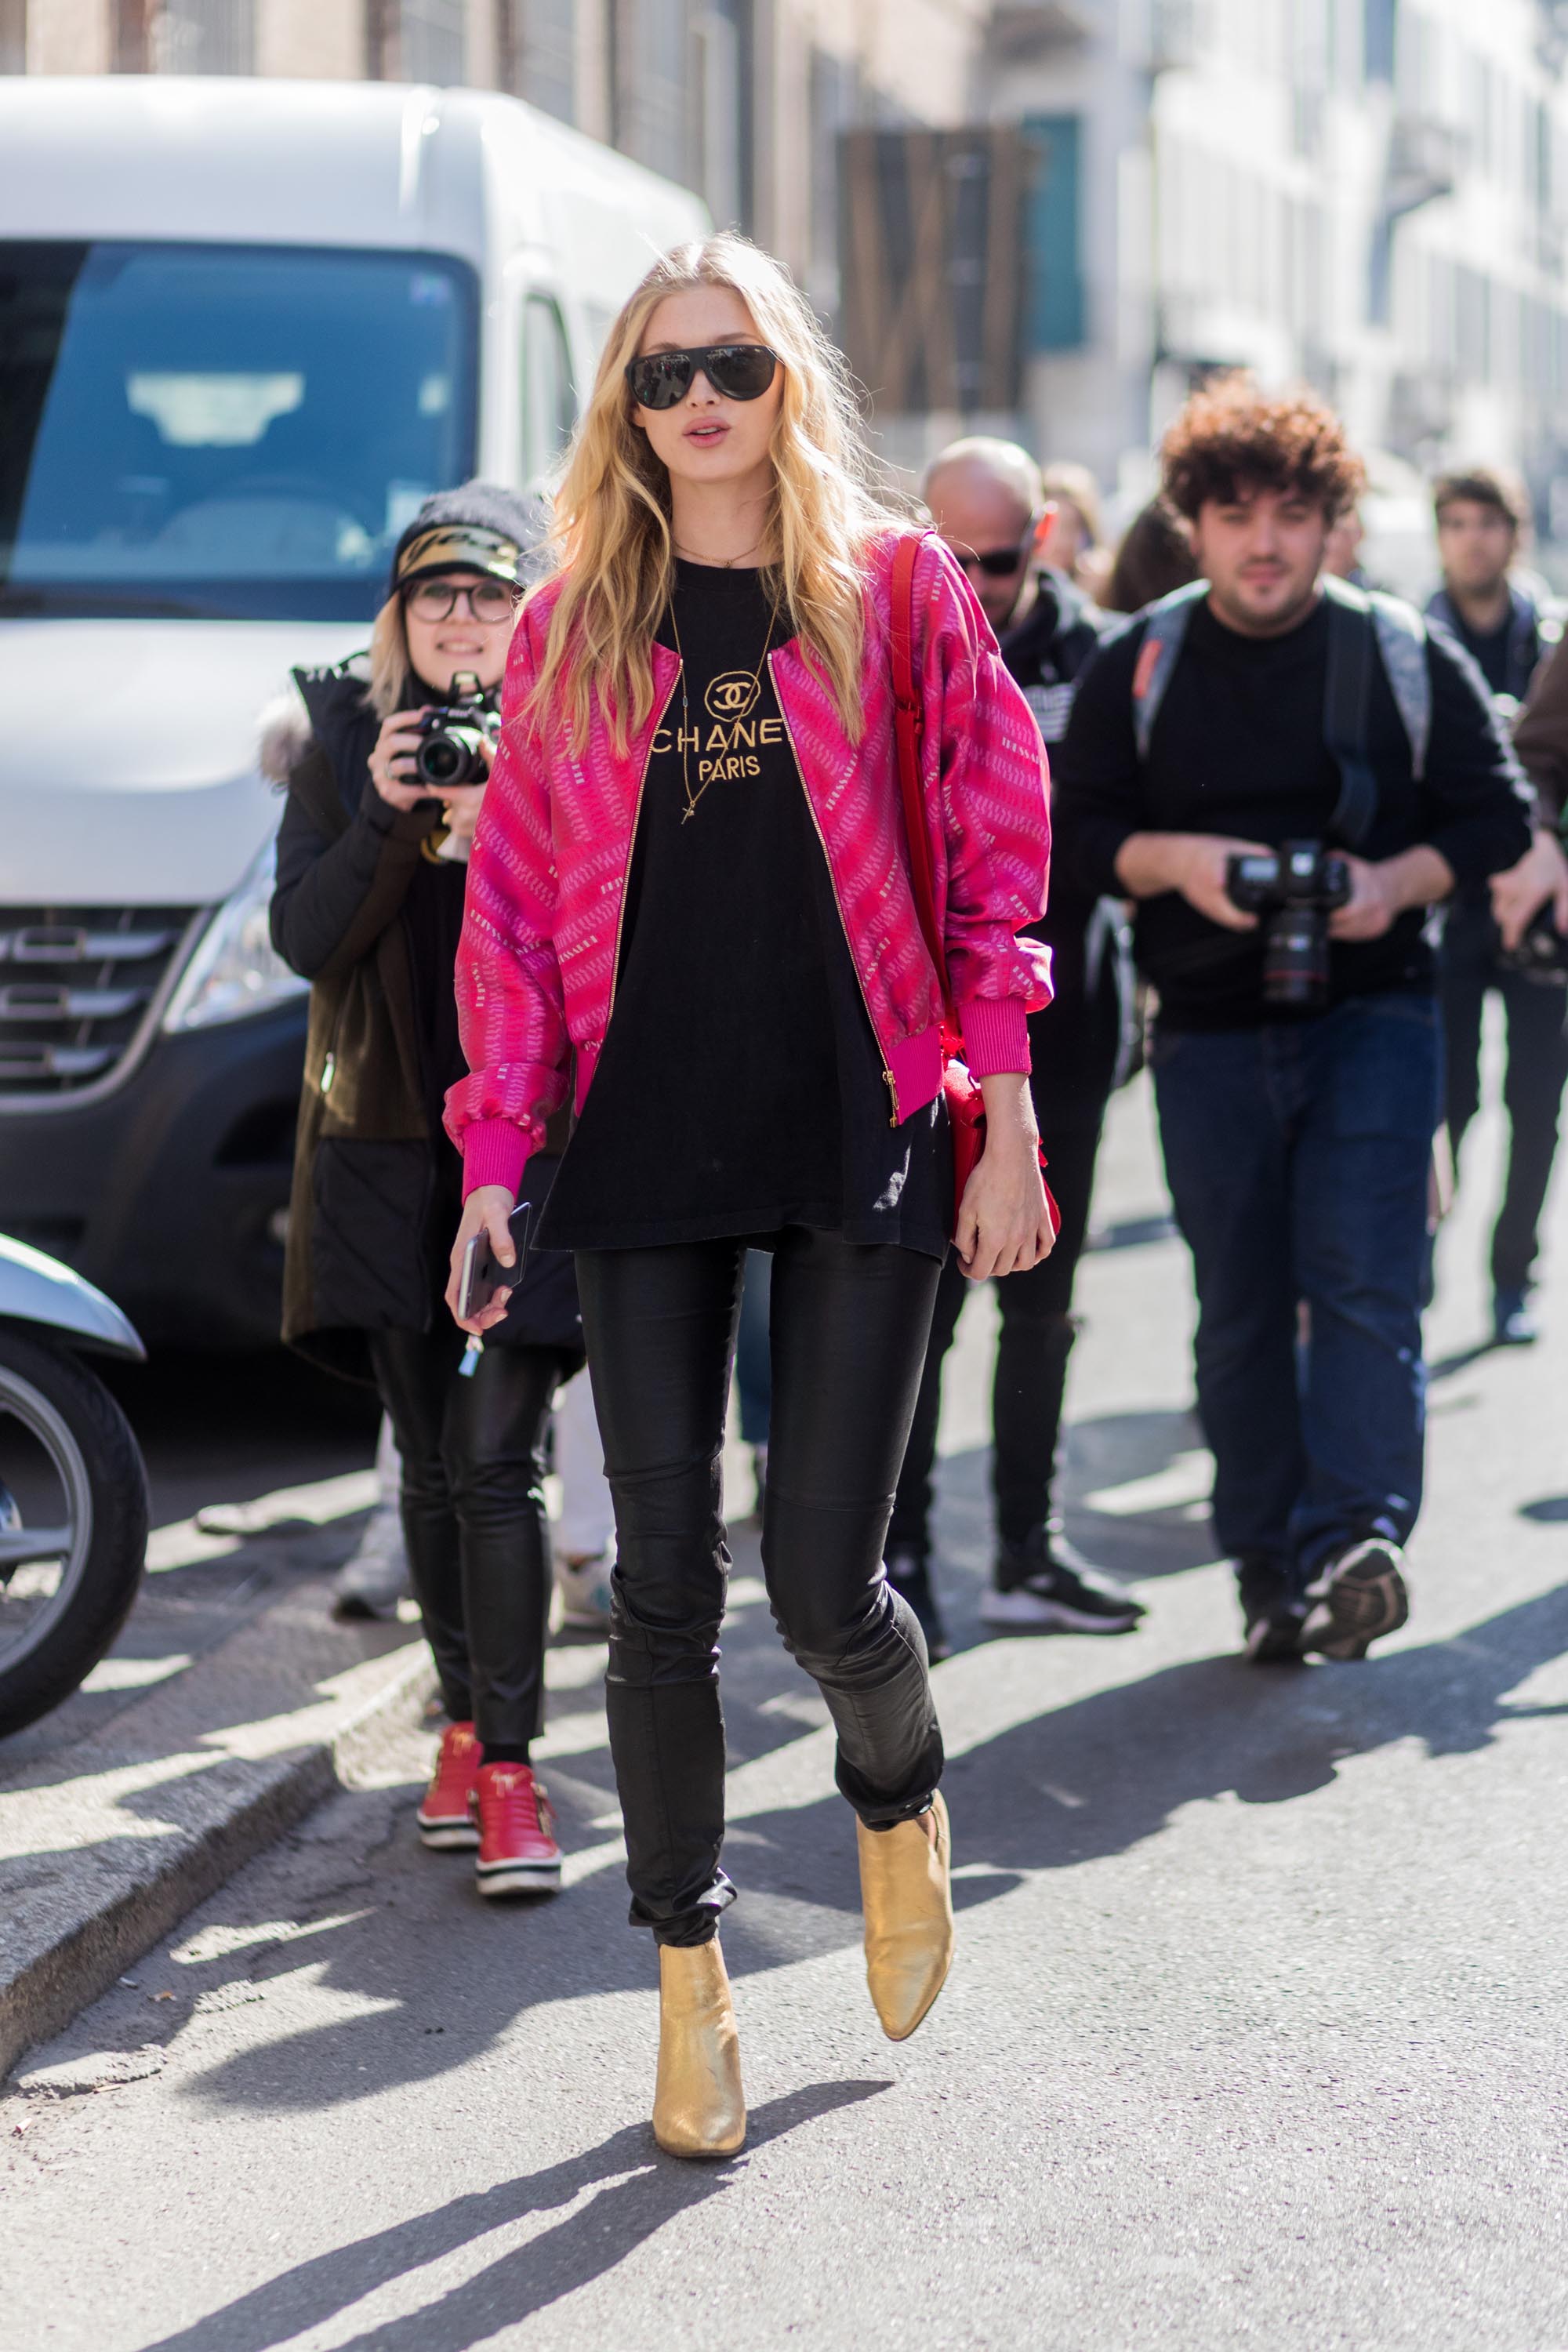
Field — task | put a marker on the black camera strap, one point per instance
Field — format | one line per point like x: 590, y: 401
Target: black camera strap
x: 1347, y: 715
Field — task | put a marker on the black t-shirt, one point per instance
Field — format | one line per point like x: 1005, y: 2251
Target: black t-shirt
x: 739, y: 1088
x: 1237, y: 747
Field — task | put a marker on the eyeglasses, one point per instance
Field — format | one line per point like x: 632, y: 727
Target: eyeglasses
x: 437, y: 599
x: 736, y: 371
x: 996, y: 562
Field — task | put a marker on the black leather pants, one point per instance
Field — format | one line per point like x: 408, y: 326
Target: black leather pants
x: 473, y: 1517
x: 849, y: 1325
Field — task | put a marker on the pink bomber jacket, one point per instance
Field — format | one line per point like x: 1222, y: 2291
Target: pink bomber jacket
x: 537, y: 961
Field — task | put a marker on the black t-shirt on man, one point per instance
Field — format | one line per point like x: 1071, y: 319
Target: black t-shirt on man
x: 739, y: 1088
x: 1237, y: 747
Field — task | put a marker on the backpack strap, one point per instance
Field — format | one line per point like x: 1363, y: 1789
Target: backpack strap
x: 909, y: 723
x: 1402, y: 642
x: 1165, y: 634
x: 1347, y: 710
x: 1399, y: 635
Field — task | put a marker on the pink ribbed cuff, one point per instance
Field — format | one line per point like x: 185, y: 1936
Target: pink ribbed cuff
x: 996, y: 1035
x: 494, y: 1152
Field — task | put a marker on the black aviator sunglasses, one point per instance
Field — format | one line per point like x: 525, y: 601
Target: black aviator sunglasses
x: 737, y: 371
x: 996, y: 562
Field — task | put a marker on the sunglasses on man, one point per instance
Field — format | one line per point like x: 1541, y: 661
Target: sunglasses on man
x: 736, y: 371
x: 437, y: 599
x: 996, y: 562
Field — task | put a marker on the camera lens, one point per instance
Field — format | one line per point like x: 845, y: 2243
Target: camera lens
x: 450, y: 755
x: 1296, y: 958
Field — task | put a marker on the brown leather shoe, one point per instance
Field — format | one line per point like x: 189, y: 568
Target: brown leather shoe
x: 699, y: 2107
x: 908, y: 1904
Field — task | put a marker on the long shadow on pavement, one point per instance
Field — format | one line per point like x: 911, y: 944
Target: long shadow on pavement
x: 1111, y: 1769
x: 526, y: 2279
x: 1071, y: 1784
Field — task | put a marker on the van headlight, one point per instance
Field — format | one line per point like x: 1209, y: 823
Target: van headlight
x: 236, y: 969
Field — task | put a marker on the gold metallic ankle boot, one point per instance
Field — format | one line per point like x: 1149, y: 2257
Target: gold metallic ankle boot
x: 699, y: 2107
x: 908, y: 1904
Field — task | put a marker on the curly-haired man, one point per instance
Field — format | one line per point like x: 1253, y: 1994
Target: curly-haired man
x: 1298, y: 1083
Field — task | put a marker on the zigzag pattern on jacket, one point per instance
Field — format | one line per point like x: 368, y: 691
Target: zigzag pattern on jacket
x: 535, y: 969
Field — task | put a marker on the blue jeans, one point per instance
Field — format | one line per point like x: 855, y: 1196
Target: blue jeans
x: 1297, y: 1155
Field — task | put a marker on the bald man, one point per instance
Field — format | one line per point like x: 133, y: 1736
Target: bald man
x: 987, y: 501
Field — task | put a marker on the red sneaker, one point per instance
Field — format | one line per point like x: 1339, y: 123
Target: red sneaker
x: 518, y: 1852
x: 444, y: 1817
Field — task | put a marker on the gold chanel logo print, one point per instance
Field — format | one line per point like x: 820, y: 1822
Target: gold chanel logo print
x: 731, y: 694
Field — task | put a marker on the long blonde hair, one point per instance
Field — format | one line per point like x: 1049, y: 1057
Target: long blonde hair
x: 391, y: 670
x: 611, y: 541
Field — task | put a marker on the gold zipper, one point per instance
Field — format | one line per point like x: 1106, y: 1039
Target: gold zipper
x: 632, y: 843
x: 887, y: 1078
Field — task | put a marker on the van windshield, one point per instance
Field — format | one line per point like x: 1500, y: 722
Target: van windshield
x: 223, y: 431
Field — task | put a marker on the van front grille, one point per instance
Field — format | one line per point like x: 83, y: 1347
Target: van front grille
x: 79, y: 987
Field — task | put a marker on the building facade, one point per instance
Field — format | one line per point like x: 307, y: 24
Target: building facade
x: 741, y: 99
x: 1369, y: 194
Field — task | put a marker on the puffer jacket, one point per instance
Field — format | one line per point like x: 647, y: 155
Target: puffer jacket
x: 536, y: 968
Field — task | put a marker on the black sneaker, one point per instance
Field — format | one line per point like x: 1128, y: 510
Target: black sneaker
x: 910, y: 1576
x: 1359, y: 1597
x: 1272, y: 1611
x: 1513, y: 1319
x: 1043, y: 1586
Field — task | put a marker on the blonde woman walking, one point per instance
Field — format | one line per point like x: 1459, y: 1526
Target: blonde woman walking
x: 691, y: 878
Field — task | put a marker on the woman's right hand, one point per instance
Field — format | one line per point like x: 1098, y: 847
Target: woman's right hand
x: 391, y: 759
x: 486, y: 1210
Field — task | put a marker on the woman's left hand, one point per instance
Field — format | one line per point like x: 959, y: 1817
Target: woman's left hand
x: 1003, y: 1227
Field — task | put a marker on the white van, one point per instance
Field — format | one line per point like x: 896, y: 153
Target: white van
x: 244, y: 328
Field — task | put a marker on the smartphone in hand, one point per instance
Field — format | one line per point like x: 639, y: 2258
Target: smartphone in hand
x: 483, y: 1273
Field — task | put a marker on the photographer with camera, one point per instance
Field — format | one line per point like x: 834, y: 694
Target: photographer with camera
x: 1286, y: 773
x: 372, y: 859
x: 1505, y: 936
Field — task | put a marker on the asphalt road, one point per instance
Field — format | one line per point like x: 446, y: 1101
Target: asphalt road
x: 1255, y: 2036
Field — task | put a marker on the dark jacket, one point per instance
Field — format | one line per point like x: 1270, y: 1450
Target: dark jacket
x: 1522, y: 646
x: 1075, y: 1044
x: 375, y: 1182
x: 1528, y: 636
x: 1049, y: 647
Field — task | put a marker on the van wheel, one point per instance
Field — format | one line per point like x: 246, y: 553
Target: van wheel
x: 73, y: 1524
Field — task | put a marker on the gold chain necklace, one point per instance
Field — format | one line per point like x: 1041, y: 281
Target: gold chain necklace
x: 690, y: 811
x: 716, y: 562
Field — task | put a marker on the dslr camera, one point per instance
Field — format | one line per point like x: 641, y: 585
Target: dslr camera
x: 1295, y: 890
x: 456, y: 740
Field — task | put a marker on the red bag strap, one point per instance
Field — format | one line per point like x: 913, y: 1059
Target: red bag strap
x: 908, y: 720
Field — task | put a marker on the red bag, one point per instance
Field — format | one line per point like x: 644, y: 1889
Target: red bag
x: 961, y: 1091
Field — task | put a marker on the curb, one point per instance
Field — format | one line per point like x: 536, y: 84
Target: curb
x: 105, y: 1846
